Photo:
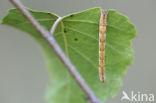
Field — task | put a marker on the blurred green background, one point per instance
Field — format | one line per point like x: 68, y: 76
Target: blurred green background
x: 23, y: 75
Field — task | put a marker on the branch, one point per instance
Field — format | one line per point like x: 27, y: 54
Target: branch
x: 53, y: 44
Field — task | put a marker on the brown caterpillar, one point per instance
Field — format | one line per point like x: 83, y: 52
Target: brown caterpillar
x: 102, y: 39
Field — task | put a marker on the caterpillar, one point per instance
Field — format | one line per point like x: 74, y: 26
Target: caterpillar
x: 102, y: 40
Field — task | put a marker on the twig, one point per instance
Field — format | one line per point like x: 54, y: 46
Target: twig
x: 51, y: 41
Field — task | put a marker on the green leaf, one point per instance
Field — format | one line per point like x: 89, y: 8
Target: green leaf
x: 77, y: 34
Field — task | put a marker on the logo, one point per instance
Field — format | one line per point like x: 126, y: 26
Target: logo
x: 137, y: 96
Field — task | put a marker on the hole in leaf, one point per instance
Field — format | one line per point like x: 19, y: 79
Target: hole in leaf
x: 76, y: 39
x: 65, y: 30
x: 71, y: 15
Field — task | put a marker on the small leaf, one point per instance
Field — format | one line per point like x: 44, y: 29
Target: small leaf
x: 77, y: 34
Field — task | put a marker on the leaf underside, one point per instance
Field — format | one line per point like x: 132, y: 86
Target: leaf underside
x: 78, y: 34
